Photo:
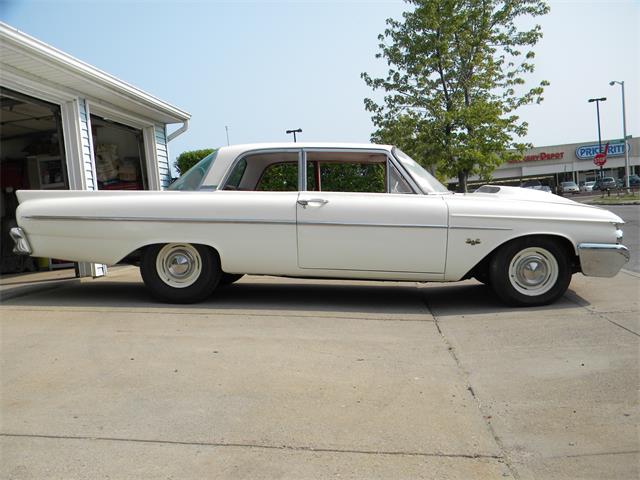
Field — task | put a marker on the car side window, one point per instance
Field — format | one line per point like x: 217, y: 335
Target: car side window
x: 279, y: 177
x: 266, y: 171
x: 236, y: 175
x: 397, y: 184
x: 362, y: 172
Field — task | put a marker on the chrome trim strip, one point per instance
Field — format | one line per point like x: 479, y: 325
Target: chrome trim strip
x: 381, y: 225
x: 523, y: 217
x: 461, y: 227
x: 222, y: 221
x: 151, y: 219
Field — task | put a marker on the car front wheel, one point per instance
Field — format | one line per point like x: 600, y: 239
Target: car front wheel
x: 530, y: 272
x: 180, y: 272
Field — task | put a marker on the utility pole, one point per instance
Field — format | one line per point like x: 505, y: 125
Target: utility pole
x: 226, y: 127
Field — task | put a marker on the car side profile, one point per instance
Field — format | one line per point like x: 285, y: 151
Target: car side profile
x: 352, y: 211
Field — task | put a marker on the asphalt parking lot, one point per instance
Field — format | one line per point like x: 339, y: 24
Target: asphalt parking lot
x: 280, y: 378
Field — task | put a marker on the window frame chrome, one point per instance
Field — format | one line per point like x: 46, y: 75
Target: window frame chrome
x: 379, y: 151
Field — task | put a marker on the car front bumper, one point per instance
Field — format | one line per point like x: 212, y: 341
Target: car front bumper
x: 19, y: 238
x: 602, y: 259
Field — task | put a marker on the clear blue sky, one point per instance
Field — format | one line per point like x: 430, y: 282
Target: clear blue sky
x: 264, y: 67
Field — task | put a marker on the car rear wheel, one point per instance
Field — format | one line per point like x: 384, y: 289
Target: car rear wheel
x: 530, y: 272
x: 180, y: 272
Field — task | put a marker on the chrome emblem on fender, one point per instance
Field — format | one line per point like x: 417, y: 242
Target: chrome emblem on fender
x: 470, y: 241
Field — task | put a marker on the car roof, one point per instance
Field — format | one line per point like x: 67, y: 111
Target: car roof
x: 241, y: 148
x: 227, y: 154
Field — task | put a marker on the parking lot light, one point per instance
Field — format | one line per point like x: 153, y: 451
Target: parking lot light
x: 598, y: 100
x: 624, y: 135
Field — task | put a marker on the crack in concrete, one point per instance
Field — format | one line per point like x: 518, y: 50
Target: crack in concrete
x: 602, y: 315
x: 256, y: 446
x: 505, y: 456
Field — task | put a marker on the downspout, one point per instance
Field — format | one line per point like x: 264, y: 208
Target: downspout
x: 180, y: 131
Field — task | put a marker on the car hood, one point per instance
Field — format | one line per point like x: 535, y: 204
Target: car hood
x: 520, y: 194
x: 500, y: 201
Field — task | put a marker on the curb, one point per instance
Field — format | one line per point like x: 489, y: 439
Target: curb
x: 611, y: 204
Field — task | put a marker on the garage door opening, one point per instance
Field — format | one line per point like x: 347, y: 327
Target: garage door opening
x: 32, y: 157
x: 119, y: 155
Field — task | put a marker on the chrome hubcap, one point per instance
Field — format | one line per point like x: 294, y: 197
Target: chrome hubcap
x: 533, y: 271
x: 178, y: 265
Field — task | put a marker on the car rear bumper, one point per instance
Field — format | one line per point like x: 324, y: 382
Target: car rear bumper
x: 602, y: 259
x: 19, y: 238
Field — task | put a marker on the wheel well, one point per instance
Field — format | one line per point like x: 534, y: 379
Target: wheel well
x: 481, y: 269
x: 135, y: 257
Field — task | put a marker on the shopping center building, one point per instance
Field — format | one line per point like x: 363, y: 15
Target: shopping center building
x: 574, y: 161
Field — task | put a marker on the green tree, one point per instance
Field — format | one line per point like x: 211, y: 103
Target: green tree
x: 188, y: 159
x: 454, y: 82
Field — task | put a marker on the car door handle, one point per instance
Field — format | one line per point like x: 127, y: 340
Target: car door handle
x: 319, y: 201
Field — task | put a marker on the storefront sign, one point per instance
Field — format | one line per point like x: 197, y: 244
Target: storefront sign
x: 540, y: 156
x: 587, y: 152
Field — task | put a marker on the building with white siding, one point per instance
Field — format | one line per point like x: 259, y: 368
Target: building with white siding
x: 68, y: 125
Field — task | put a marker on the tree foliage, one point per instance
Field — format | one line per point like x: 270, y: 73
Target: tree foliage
x: 188, y: 159
x: 334, y: 177
x: 454, y: 82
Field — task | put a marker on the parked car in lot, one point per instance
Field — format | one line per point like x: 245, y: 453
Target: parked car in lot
x: 587, y: 186
x: 605, y: 183
x: 536, y: 185
x: 569, y: 187
x: 353, y: 211
x: 634, y: 181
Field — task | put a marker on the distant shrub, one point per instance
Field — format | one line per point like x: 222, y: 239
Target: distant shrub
x: 186, y: 160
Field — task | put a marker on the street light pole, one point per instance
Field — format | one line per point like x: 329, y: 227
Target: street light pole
x: 598, y: 100
x: 624, y: 135
x: 298, y: 130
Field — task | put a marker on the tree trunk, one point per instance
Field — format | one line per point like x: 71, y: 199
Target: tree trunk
x: 462, y: 181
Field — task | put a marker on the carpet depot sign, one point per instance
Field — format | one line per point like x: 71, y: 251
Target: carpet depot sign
x: 587, y: 152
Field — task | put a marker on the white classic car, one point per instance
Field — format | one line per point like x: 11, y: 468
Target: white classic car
x: 352, y: 211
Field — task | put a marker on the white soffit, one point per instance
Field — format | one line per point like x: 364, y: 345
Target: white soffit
x: 37, y: 59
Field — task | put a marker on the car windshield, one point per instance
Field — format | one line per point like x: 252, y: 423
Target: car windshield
x: 192, y: 178
x: 426, y: 181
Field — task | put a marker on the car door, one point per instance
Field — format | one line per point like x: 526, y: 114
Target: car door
x: 366, y: 230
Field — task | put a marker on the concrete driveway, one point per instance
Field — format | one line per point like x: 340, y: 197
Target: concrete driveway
x: 277, y: 378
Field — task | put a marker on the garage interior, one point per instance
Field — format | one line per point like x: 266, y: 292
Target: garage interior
x: 32, y: 157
